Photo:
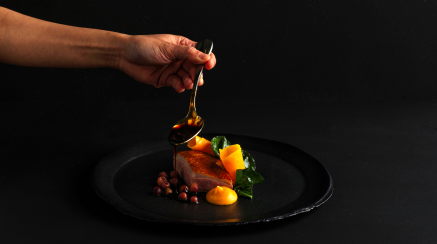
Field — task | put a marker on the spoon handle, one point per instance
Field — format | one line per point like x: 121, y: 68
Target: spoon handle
x: 205, y: 46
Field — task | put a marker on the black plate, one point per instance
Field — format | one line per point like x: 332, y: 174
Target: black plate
x: 294, y: 183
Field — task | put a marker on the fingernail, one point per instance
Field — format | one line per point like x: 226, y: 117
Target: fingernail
x: 203, y: 56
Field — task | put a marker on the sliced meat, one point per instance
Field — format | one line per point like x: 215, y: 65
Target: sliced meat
x: 203, y: 169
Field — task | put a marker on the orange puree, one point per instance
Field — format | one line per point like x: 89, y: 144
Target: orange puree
x: 221, y: 196
x: 201, y: 144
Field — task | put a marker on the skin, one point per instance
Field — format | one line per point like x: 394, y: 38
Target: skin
x: 157, y: 60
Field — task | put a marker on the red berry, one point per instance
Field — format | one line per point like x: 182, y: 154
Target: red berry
x: 161, y: 180
x: 157, y: 191
x: 183, y: 188
x: 194, y: 187
x: 183, y: 196
x: 174, y: 181
x: 165, y: 185
x: 174, y: 174
x: 194, y: 199
x: 163, y: 174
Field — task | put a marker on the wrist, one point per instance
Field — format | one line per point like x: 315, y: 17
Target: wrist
x: 116, y: 51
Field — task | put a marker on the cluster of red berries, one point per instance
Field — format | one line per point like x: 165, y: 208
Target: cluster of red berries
x: 175, y: 186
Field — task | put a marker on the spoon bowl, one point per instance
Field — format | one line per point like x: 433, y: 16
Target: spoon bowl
x: 190, y: 126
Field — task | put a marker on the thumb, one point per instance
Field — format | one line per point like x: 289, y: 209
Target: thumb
x: 180, y: 52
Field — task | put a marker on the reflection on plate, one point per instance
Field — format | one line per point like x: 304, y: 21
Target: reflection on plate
x: 294, y: 183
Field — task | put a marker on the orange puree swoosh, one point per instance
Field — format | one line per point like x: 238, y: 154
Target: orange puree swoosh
x: 221, y: 196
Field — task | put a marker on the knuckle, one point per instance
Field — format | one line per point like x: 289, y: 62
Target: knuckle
x: 192, y: 51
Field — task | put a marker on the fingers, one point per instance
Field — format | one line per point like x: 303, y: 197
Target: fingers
x: 201, y: 81
x: 187, y: 80
x: 179, y: 52
x: 176, y: 82
x: 189, y: 43
x: 190, y: 68
x: 168, y: 71
x: 211, y: 62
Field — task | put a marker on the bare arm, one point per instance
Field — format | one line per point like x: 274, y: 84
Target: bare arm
x: 158, y: 60
x: 29, y: 41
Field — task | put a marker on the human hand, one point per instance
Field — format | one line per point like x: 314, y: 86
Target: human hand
x: 164, y: 60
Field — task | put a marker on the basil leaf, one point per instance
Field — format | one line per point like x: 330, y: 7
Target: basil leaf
x: 219, y: 142
x: 249, y: 161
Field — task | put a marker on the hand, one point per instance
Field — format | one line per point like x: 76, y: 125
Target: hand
x: 164, y: 60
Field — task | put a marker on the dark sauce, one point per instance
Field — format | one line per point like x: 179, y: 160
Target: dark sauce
x: 182, y: 133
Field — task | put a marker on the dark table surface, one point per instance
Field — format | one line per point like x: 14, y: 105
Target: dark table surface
x: 381, y: 156
x: 351, y: 84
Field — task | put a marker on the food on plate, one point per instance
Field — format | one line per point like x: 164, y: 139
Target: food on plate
x: 194, y: 187
x: 200, y: 144
x: 194, y: 199
x: 174, y: 174
x: 221, y: 196
x: 203, y: 169
x: 183, y: 196
x: 232, y: 159
x: 244, y: 178
x: 175, y: 189
x: 157, y: 191
x: 161, y: 180
x: 217, y: 167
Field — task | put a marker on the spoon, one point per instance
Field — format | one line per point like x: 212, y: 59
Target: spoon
x: 190, y: 126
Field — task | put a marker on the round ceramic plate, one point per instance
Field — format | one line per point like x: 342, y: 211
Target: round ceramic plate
x: 294, y: 183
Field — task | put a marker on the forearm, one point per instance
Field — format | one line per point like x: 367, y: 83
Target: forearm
x: 32, y: 42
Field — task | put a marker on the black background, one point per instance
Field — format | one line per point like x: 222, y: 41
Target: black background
x: 353, y: 83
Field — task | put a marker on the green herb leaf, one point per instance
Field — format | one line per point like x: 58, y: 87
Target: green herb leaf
x: 245, y: 192
x: 219, y: 142
x: 249, y: 161
x: 244, y: 181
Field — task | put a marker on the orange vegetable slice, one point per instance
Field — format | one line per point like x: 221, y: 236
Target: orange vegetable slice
x: 201, y: 144
x: 232, y: 159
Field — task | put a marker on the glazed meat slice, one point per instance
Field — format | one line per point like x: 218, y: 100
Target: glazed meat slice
x: 203, y: 169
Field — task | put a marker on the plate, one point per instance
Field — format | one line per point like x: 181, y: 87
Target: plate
x: 294, y: 183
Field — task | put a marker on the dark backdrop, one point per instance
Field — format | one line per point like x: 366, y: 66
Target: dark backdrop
x: 305, y: 50
x: 352, y: 83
